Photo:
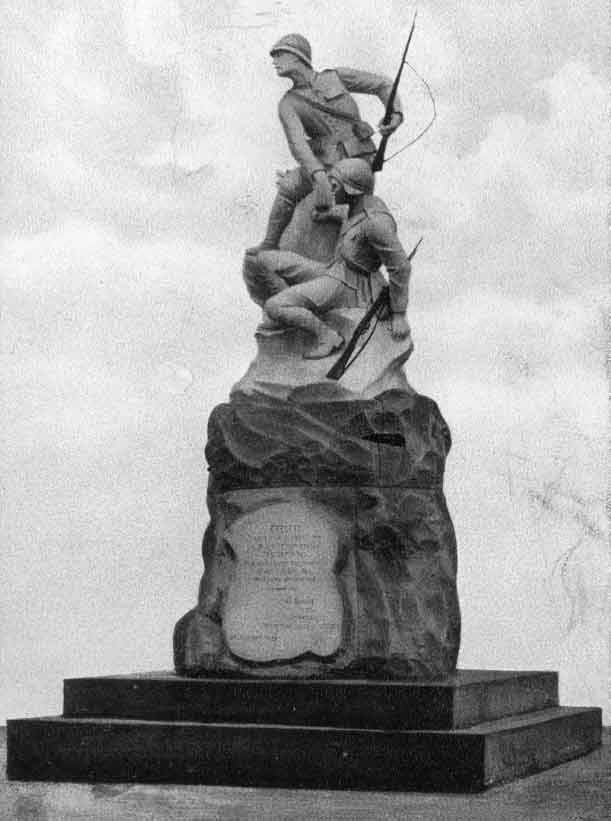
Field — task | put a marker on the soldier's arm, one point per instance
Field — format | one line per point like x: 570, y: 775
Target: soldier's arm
x: 297, y: 138
x: 365, y: 82
x: 382, y: 235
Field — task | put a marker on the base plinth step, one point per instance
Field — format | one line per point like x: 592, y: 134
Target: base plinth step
x: 266, y: 755
x: 468, y: 697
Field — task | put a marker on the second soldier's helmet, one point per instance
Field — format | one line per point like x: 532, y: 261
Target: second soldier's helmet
x: 296, y: 44
x: 355, y: 175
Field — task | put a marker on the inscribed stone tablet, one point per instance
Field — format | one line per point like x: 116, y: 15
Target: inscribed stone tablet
x: 283, y: 600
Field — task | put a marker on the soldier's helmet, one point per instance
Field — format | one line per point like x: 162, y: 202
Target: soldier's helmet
x: 296, y: 44
x: 355, y: 175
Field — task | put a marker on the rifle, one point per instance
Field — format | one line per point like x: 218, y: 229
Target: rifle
x: 342, y: 363
x: 378, y: 160
x: 376, y: 309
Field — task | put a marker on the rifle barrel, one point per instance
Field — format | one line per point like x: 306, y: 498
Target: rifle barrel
x: 412, y: 253
x: 378, y: 161
x: 395, y: 86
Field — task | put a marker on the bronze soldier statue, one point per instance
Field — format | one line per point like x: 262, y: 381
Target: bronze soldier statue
x: 322, y: 124
x: 294, y: 290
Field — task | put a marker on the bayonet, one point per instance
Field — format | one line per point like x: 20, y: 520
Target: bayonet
x: 378, y: 160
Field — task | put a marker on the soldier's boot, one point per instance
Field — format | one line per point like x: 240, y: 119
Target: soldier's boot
x: 279, y: 218
x: 328, y: 342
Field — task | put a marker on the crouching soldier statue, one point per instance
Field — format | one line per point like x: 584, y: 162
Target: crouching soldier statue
x: 322, y: 124
x: 295, y: 291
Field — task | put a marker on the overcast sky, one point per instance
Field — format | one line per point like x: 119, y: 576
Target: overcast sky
x: 139, y: 147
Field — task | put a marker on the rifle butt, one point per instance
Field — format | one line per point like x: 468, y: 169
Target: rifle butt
x: 337, y: 371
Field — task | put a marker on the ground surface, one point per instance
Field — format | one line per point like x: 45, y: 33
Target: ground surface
x: 575, y: 791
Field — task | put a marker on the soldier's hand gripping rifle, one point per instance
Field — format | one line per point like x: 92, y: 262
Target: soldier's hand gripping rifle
x: 377, y: 309
x: 378, y: 160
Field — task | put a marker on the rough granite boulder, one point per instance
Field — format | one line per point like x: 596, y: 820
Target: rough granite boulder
x: 347, y: 565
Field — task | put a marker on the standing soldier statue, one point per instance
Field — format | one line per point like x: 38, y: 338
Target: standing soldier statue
x: 322, y: 124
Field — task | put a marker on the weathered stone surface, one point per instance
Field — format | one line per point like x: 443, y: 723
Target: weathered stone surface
x: 397, y: 439
x: 368, y: 474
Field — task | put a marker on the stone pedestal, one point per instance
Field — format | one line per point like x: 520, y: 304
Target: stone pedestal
x: 330, y: 550
x: 462, y: 733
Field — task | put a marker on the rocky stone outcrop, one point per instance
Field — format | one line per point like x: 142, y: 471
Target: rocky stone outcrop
x: 363, y: 480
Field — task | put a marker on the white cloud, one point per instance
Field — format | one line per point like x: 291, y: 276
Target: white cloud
x: 154, y: 30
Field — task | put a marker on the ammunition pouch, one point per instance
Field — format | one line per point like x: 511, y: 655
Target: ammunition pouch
x: 330, y: 149
x: 358, y: 147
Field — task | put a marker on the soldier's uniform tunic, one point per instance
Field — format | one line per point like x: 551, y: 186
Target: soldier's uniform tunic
x: 318, y: 138
x: 353, y: 279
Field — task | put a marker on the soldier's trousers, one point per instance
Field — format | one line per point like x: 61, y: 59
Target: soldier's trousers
x: 310, y: 289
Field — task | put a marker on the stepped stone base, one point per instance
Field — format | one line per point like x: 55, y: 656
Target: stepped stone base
x: 468, y: 697
x: 460, y: 734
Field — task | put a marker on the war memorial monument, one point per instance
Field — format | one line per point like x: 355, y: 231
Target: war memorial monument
x: 322, y: 649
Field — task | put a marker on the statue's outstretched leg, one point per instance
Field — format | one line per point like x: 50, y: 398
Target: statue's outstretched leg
x: 296, y: 307
x: 293, y: 186
x: 279, y: 218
